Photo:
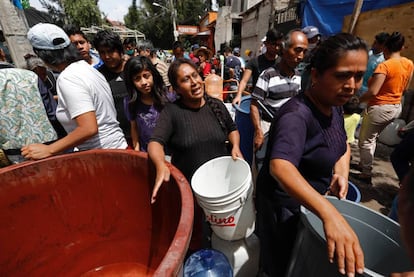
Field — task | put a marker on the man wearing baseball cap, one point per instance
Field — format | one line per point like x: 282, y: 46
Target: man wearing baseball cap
x: 36, y: 65
x: 313, y: 35
x: 314, y: 39
x: 236, y: 52
x: 85, y: 106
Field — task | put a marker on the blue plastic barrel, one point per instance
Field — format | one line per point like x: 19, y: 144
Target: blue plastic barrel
x: 245, y: 127
x: 353, y: 193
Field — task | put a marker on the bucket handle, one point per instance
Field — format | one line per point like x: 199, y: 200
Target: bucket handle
x: 243, y: 199
x: 370, y: 273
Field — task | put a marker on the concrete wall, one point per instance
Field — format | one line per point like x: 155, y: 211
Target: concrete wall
x: 14, y: 26
x: 223, y: 27
x: 251, y: 3
x: 255, y: 24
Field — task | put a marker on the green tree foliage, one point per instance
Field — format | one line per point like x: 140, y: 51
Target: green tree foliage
x: 156, y: 22
x: 25, y: 4
x: 132, y: 18
x: 191, y: 11
x: 83, y: 13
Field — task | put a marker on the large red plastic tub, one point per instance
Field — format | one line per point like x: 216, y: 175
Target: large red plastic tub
x: 89, y: 213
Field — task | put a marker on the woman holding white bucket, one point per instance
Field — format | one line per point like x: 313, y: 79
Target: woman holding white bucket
x: 307, y: 157
x: 194, y: 128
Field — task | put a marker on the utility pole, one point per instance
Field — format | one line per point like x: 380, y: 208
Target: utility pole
x: 174, y: 19
x: 173, y: 12
x: 14, y: 26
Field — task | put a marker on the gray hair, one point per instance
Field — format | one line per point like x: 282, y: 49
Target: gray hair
x: 145, y: 45
x: 66, y: 55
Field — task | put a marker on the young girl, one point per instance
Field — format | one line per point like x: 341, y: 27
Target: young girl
x: 147, y: 96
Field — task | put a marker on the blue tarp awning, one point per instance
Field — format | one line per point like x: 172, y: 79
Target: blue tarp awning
x: 328, y: 15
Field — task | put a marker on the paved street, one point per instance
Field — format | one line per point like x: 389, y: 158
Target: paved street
x: 380, y: 194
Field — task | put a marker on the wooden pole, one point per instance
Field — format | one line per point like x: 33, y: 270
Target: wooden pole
x: 355, y: 14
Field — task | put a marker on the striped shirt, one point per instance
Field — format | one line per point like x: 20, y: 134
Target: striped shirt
x: 273, y: 90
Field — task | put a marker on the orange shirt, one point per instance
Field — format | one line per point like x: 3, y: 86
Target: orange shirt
x: 397, y: 74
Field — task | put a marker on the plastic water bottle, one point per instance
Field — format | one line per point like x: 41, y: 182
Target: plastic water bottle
x: 214, y: 86
x: 207, y: 263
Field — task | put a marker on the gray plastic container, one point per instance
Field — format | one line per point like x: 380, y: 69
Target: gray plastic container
x: 378, y: 235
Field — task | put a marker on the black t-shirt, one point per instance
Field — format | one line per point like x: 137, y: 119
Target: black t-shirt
x: 119, y: 93
x: 193, y: 136
x: 257, y: 65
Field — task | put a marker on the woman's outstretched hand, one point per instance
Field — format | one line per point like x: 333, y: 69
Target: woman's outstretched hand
x: 343, y: 245
x: 163, y: 175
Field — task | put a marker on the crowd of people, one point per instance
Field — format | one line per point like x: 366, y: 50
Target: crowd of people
x: 305, y: 90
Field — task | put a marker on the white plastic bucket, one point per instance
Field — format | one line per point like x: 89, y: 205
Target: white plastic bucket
x: 389, y: 135
x: 230, y: 202
x: 234, y: 223
x: 224, y: 190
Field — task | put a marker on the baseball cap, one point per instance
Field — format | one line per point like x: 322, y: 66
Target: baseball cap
x: 47, y: 36
x: 195, y: 47
x: 236, y: 50
x: 310, y: 31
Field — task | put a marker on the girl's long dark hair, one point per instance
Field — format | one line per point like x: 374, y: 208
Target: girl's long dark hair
x: 214, y: 105
x: 134, y: 66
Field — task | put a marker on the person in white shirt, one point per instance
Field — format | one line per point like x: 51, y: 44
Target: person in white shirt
x: 85, y: 108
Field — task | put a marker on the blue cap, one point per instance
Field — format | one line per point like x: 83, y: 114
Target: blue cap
x: 311, y: 31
